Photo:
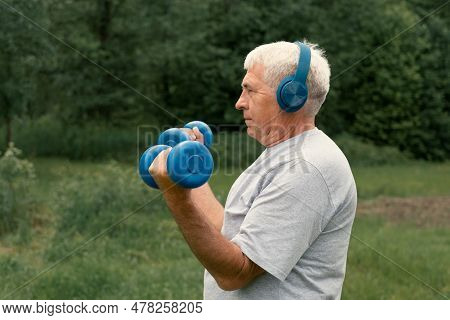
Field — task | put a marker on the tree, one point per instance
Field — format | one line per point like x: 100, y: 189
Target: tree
x: 104, y: 32
x: 395, y: 95
x: 21, y: 58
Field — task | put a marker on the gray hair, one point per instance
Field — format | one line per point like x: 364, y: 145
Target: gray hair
x: 280, y: 59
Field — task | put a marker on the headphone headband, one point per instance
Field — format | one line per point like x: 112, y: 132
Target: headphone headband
x: 292, y: 91
x: 304, y: 59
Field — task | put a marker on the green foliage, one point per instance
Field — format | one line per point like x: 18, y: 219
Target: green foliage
x: 166, y: 62
x: 20, y: 59
x: 391, y: 97
x: 105, y: 33
x: 359, y: 152
x: 92, y: 201
x: 48, y: 136
x: 16, y: 196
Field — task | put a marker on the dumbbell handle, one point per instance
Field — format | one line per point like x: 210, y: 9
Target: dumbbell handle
x: 173, y: 136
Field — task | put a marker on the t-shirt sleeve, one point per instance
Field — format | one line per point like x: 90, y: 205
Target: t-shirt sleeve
x: 283, y: 221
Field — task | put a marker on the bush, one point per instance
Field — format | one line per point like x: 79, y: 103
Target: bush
x: 47, y: 136
x: 90, y: 202
x: 16, y: 199
x: 359, y: 152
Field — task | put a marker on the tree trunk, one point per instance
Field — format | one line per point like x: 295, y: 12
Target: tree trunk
x: 8, y: 130
x: 105, y: 20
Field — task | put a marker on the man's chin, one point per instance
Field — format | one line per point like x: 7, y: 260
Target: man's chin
x: 255, y: 134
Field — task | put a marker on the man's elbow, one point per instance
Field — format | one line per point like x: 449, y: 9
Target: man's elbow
x: 246, y: 273
x: 242, y: 279
x: 228, y: 284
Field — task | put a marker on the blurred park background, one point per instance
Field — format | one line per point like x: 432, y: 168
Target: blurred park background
x: 82, y: 81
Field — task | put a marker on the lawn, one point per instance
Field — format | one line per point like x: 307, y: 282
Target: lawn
x: 395, y: 253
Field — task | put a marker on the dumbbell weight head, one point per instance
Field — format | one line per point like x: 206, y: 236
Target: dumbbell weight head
x: 204, y: 129
x: 190, y: 164
x: 171, y: 137
x: 145, y: 162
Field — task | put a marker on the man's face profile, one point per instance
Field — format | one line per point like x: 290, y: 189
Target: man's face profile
x: 258, y: 103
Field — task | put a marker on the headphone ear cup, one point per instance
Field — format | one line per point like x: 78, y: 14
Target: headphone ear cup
x: 280, y: 92
x: 291, y: 95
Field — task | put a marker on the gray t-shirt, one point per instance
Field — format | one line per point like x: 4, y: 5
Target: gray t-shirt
x: 291, y: 212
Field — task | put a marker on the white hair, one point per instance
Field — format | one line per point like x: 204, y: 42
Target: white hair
x: 280, y: 59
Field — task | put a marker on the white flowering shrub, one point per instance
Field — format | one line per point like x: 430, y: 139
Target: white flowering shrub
x: 16, y: 200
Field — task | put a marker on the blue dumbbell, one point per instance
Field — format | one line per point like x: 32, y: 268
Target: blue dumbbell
x: 171, y: 137
x: 189, y: 163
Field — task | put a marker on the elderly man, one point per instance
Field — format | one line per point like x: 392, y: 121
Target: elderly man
x: 285, y: 229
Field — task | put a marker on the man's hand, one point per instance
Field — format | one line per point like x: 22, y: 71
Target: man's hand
x: 158, y: 171
x: 195, y: 134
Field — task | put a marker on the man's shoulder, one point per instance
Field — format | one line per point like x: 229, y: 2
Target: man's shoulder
x: 329, y: 160
x: 314, y: 156
x: 324, y: 154
x: 322, y: 162
x: 313, y: 151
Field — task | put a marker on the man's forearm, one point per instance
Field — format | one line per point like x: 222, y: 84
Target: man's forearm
x: 204, y: 199
x: 222, y: 258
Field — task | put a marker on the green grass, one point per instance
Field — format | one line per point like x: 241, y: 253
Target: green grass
x: 145, y: 257
x: 421, y: 252
x: 408, y: 180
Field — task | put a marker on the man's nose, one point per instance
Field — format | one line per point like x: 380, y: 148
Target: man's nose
x: 241, y: 103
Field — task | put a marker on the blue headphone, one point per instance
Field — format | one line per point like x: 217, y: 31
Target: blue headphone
x: 292, y: 91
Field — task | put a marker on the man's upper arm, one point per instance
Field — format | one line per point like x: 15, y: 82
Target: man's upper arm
x: 283, y: 221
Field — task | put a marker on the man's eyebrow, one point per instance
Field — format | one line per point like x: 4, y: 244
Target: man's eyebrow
x: 246, y: 85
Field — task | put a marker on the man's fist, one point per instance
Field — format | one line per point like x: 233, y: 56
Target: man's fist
x: 158, y: 170
x: 195, y: 134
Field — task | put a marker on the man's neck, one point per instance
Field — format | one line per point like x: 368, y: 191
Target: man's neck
x: 280, y: 133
